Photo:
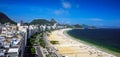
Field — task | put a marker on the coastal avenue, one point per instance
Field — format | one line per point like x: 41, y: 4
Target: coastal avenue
x: 51, y: 50
x: 38, y: 48
x: 39, y: 52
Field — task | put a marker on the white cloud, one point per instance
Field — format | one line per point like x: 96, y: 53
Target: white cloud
x: 64, y: 10
x: 96, y: 19
x: 57, y: 12
x: 61, y: 12
x: 66, y: 4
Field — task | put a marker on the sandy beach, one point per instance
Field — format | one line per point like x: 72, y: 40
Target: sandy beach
x: 72, y: 48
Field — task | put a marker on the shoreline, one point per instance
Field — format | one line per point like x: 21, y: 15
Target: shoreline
x: 70, y: 47
x: 101, y: 48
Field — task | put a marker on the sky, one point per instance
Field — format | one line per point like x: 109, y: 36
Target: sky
x: 100, y: 13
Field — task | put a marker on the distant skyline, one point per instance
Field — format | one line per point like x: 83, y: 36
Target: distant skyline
x: 100, y: 13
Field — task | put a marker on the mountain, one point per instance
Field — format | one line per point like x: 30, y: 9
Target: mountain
x: 88, y: 26
x: 4, y: 19
x: 52, y: 21
x: 77, y: 26
x: 43, y: 21
x: 40, y: 21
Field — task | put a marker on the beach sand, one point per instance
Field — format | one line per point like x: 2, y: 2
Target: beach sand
x: 72, y: 48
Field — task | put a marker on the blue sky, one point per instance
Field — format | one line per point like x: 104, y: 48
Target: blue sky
x: 101, y: 13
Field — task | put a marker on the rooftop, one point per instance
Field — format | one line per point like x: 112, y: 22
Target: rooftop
x: 13, y: 50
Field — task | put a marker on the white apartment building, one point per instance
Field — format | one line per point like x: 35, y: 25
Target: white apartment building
x: 13, y: 41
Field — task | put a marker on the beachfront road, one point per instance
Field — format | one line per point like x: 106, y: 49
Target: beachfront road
x: 39, y: 52
x: 38, y: 48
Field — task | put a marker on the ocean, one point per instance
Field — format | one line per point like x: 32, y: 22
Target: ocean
x: 107, y: 38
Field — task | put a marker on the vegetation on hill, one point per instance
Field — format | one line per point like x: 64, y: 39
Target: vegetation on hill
x: 5, y: 19
x: 52, y: 21
x: 43, y: 22
x: 40, y: 21
x: 77, y: 26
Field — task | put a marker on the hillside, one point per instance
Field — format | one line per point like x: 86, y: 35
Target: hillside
x: 43, y: 22
x: 40, y: 21
x: 4, y: 19
x: 52, y: 21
